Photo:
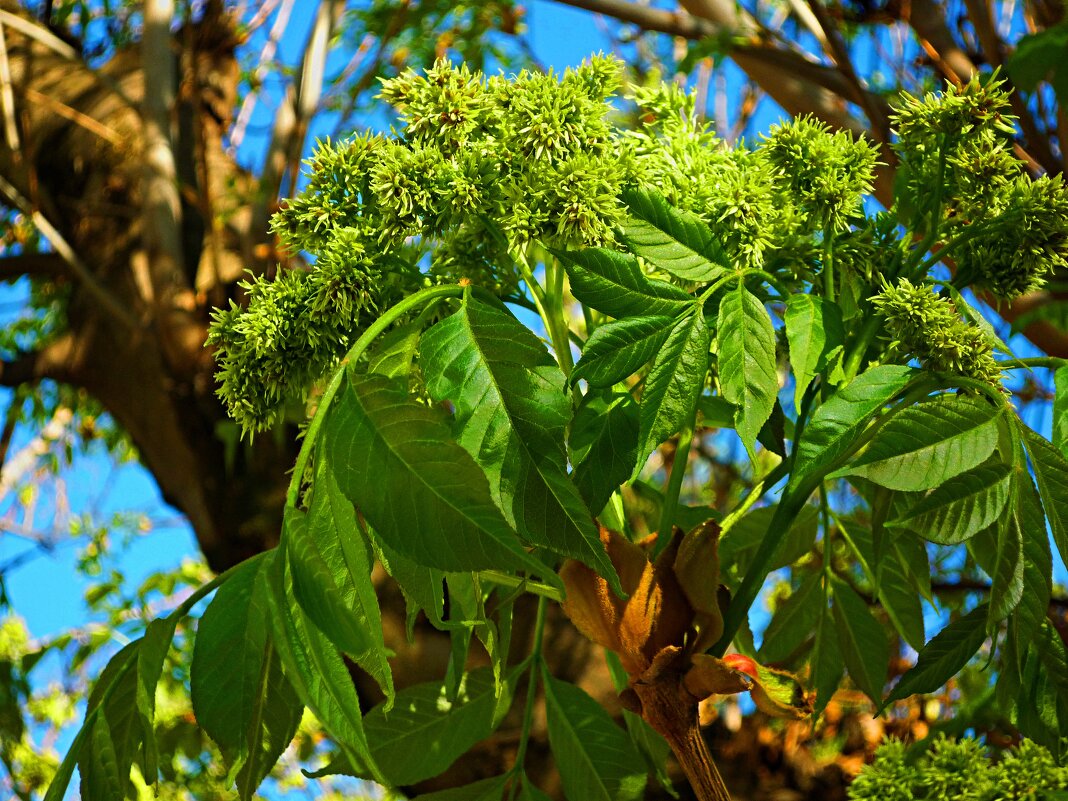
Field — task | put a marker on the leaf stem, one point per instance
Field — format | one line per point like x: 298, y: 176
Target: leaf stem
x: 366, y: 338
x: 532, y: 691
x: 515, y: 582
x: 828, y: 260
x: 1052, y: 362
x: 674, y: 486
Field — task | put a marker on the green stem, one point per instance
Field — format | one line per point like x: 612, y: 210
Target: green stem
x: 1052, y: 362
x: 828, y: 261
x: 186, y: 606
x: 532, y: 691
x: 514, y: 582
x: 860, y: 346
x: 674, y: 487
x: 936, y: 212
x: 370, y: 335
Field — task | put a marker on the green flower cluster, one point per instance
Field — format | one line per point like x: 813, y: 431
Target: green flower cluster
x: 1006, y: 230
x: 960, y: 771
x: 827, y: 174
x: 924, y: 326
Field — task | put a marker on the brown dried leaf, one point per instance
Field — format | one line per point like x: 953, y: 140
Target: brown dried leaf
x: 712, y: 676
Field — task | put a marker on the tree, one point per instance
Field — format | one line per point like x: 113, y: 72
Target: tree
x: 235, y: 513
x: 441, y: 437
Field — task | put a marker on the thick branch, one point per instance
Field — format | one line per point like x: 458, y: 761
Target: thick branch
x: 55, y: 360
x: 38, y: 265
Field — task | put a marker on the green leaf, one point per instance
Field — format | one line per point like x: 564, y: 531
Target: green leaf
x: 1060, y: 409
x: 1008, y: 574
x: 111, y: 750
x: 394, y: 353
x: 739, y: 543
x: 827, y: 663
x: 897, y: 594
x: 604, y: 442
x: 923, y: 446
x: 613, y: 284
x: 620, y: 348
x: 102, y: 775
x: 314, y: 667
x: 793, y: 621
x: 425, y: 732
x: 716, y: 411
x: 1051, y: 472
x: 1037, y: 562
x: 747, y: 368
x: 675, y: 241
x: 386, y: 447
x: 596, y: 759
x: 513, y: 414
x: 1040, y: 56
x: 943, y: 657
x: 240, y: 697
x: 276, y: 717
x: 421, y: 586
x: 150, y: 659
x: 835, y: 425
x: 961, y: 507
x: 863, y: 642
x: 529, y: 792
x: 813, y: 329
x: 673, y: 384
x: 332, y: 576
x: 485, y: 790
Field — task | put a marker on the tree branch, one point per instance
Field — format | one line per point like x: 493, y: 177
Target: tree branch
x: 36, y: 265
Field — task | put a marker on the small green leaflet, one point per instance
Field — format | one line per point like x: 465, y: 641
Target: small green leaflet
x: 393, y: 355
x: 150, y: 659
x: 924, y: 445
x: 1007, y: 577
x: 894, y: 590
x: 747, y: 370
x: 385, y: 446
x: 675, y: 241
x: 240, y: 695
x: 813, y: 329
x: 674, y: 383
x: 961, y: 507
x: 102, y: 775
x: 943, y: 657
x: 613, y: 284
x: 837, y: 422
x: 604, y: 443
x: 511, y: 416
x: 1051, y: 472
x: 864, y: 645
x: 421, y: 586
x: 313, y: 665
x: 793, y: 621
x: 618, y: 349
x: 596, y: 759
x: 1037, y: 562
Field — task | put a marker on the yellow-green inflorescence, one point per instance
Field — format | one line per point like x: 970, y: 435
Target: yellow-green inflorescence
x: 929, y: 328
x: 480, y: 168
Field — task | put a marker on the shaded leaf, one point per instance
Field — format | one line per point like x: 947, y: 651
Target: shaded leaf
x: 604, y: 443
x: 747, y: 368
x: 943, y: 657
x: 960, y: 508
x: 596, y: 759
x: 1051, y: 472
x: 485, y: 790
x: 827, y: 663
x: 794, y: 620
x: 314, y: 667
x: 862, y: 640
x: 675, y: 241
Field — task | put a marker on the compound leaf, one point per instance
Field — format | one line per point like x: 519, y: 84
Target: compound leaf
x: 747, y: 368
